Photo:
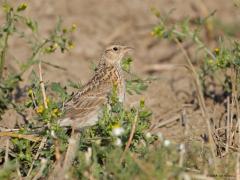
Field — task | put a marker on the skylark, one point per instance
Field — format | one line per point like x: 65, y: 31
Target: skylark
x: 83, y: 108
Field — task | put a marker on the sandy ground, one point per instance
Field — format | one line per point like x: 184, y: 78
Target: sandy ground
x: 105, y: 22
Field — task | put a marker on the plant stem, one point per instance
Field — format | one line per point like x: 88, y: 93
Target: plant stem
x: 5, y: 42
x: 42, y: 85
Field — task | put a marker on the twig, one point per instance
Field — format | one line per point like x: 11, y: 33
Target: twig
x: 42, y: 85
x: 238, y: 167
x: 54, y: 65
x: 10, y: 21
x: 21, y: 136
x: 59, y: 172
x: 40, y: 172
x: 37, y: 154
x: 235, y: 97
x: 2, y: 129
x: 33, y: 100
x: 181, y: 154
x: 228, y: 130
x: 18, y: 171
x: 169, y: 121
x: 6, y: 153
x: 200, y: 98
x: 130, y: 137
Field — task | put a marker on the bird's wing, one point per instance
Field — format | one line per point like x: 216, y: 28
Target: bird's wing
x: 87, y: 102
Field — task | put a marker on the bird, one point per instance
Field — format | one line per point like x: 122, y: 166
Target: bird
x: 84, y: 107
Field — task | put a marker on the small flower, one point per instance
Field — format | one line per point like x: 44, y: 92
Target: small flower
x: 48, y: 101
x: 55, y: 45
x: 216, y: 51
x: 148, y: 135
x: 30, y: 92
x: 142, y: 103
x: 70, y: 45
x: 53, y: 134
x: 166, y: 143
x: 210, y: 62
x: 117, y: 130
x: 22, y: 7
x: 118, y: 142
x: 74, y: 27
x: 51, y: 48
x: 6, y: 8
x: 56, y: 112
x: 64, y: 30
x: 40, y: 109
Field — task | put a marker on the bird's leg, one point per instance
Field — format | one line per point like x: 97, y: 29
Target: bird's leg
x: 72, y: 149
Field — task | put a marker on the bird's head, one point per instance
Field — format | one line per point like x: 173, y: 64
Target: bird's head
x: 115, y: 53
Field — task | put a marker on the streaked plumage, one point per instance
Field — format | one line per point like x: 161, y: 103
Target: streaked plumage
x: 84, y: 107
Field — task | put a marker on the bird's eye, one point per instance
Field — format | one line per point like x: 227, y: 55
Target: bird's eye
x: 115, y: 48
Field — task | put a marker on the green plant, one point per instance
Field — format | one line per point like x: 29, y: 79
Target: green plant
x: 120, y: 145
x: 112, y: 130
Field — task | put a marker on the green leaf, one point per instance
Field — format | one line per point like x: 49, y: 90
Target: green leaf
x: 32, y: 25
x: 136, y: 85
x: 56, y: 87
x: 126, y: 64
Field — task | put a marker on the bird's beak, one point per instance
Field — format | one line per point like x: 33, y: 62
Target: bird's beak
x: 127, y: 49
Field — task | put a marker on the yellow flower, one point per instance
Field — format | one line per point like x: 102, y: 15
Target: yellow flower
x: 74, y: 27
x: 116, y: 125
x: 211, y: 62
x: 30, y: 92
x: 6, y: 8
x: 70, y: 45
x: 216, y: 50
x: 64, y: 30
x: 48, y: 101
x: 55, y: 45
x: 56, y: 112
x: 40, y: 109
x: 142, y: 102
x: 22, y: 7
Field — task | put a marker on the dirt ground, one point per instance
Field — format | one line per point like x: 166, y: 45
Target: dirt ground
x: 105, y: 22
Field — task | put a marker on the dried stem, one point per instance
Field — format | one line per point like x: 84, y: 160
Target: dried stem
x: 6, y: 152
x: 37, y: 154
x: 42, y: 85
x: 130, y: 137
x: 40, y: 172
x: 235, y: 98
x: 60, y: 170
x: 200, y: 98
x: 21, y: 136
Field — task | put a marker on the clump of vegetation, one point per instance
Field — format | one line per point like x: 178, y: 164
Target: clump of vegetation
x: 219, y: 69
x: 34, y: 150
